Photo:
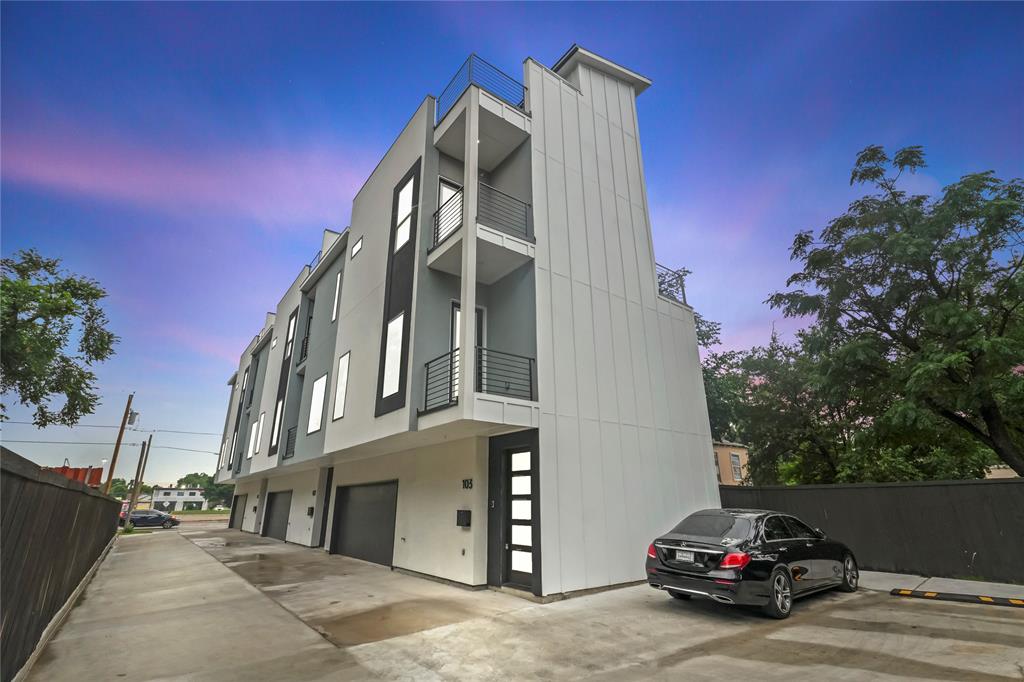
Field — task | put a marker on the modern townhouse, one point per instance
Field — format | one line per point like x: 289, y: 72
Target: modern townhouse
x: 486, y: 378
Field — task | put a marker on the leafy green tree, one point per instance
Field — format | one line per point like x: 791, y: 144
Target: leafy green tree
x: 119, y: 488
x: 922, y: 301
x: 215, y: 493
x: 53, y: 331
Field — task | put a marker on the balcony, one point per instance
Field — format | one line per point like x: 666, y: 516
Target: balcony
x: 289, y: 442
x: 476, y: 71
x: 503, y: 212
x: 442, y: 382
x: 303, y: 350
x: 447, y: 219
x: 671, y: 283
x: 497, y: 373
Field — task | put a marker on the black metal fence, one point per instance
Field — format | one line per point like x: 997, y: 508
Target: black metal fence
x: 476, y: 71
x: 441, y: 385
x: 54, y: 529
x: 503, y: 212
x: 289, y: 442
x: 671, y: 283
x: 950, y: 529
x: 506, y: 374
x: 448, y: 218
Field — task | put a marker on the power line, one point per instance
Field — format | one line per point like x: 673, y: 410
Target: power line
x: 64, y: 442
x: 171, y: 447
x: 117, y: 426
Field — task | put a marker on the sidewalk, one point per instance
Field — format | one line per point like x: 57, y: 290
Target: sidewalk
x: 883, y: 582
x: 159, y: 607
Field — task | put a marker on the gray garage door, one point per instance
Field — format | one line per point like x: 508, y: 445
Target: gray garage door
x: 364, y: 522
x: 275, y: 524
x: 238, y: 511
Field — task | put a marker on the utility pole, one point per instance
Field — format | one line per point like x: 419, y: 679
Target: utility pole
x: 117, y: 444
x: 140, y: 471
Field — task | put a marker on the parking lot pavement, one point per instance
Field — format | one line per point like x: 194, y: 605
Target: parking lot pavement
x: 397, y: 626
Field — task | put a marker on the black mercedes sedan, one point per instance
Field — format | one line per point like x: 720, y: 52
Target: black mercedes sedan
x: 151, y: 517
x: 751, y: 557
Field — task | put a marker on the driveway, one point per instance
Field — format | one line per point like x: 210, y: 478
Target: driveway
x: 249, y: 608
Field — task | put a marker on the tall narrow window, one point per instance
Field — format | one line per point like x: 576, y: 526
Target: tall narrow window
x: 404, y: 217
x: 275, y: 431
x: 342, y: 388
x: 316, y: 405
x: 337, y: 292
x: 737, y: 471
x: 393, y: 356
x: 259, y: 433
x: 290, y: 338
x: 252, y: 440
x: 231, y: 452
x: 357, y: 247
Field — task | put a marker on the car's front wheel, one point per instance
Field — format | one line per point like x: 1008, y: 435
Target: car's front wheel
x: 850, y: 574
x: 780, y: 594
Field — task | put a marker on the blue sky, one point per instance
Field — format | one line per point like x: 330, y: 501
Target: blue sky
x: 188, y: 155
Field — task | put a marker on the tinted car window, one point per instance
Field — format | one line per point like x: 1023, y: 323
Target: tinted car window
x: 776, y: 529
x: 799, y: 528
x: 714, y: 526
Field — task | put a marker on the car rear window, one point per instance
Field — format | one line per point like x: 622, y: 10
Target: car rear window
x: 715, y: 527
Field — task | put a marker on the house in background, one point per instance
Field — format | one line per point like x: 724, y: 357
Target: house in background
x: 178, y: 499
x: 730, y: 462
x: 486, y: 377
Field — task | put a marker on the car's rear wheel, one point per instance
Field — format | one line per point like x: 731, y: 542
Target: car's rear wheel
x: 780, y: 594
x: 679, y: 595
x: 168, y: 524
x: 850, y: 574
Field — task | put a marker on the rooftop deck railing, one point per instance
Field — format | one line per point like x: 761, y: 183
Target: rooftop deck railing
x: 503, y: 212
x: 671, y: 283
x: 476, y: 71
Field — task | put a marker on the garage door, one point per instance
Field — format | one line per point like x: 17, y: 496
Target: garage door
x: 237, y: 511
x: 364, y: 522
x: 275, y: 524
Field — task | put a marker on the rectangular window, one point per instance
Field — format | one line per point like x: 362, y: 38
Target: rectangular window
x: 259, y: 432
x: 393, y: 356
x: 337, y: 292
x: 191, y: 494
x: 404, y: 217
x: 342, y: 388
x: 357, y: 247
x: 252, y: 440
x: 289, y: 340
x: 231, y: 452
x: 276, y: 431
x: 316, y: 405
x: 737, y: 473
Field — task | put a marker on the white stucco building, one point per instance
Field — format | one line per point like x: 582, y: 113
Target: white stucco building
x: 486, y: 377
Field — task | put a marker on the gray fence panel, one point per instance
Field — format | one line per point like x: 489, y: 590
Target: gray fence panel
x: 950, y: 529
x: 53, y: 531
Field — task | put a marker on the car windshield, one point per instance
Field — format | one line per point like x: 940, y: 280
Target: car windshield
x: 717, y: 528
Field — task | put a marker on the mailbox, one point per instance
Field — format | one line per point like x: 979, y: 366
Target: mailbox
x: 462, y: 518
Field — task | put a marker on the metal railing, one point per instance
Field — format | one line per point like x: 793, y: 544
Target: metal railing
x: 441, y: 387
x: 289, y: 441
x: 448, y: 218
x: 507, y: 374
x: 671, y: 283
x: 476, y: 71
x: 316, y: 260
x: 303, y: 349
x: 503, y: 212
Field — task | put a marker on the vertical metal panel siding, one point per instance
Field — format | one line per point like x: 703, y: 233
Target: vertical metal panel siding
x: 951, y: 529
x: 53, y: 530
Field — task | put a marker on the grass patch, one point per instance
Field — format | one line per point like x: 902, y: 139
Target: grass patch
x: 199, y: 512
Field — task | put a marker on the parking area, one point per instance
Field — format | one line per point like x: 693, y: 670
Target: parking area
x: 237, y: 606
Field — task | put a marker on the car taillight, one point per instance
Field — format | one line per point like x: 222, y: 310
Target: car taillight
x: 735, y: 560
x: 651, y: 552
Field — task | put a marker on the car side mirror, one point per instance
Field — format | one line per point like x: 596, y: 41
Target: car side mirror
x: 820, y: 533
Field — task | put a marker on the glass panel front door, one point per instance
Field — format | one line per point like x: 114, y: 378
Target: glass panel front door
x: 519, y: 548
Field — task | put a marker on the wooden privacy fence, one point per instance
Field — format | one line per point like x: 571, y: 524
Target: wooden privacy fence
x: 53, y: 529
x: 950, y: 529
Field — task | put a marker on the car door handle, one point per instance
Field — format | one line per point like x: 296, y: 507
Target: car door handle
x: 783, y: 548
x: 809, y: 544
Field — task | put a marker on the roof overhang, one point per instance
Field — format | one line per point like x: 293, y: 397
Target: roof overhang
x: 578, y: 55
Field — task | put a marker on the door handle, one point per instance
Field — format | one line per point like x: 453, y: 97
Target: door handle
x: 809, y: 544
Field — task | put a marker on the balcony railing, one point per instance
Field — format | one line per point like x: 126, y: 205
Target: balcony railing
x: 476, y: 71
x: 503, y: 212
x: 671, y: 283
x: 507, y: 374
x: 303, y: 349
x: 448, y: 218
x: 289, y: 441
x: 316, y: 260
x: 442, y: 381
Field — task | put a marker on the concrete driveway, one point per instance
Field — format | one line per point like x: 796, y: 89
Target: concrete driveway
x: 248, y: 608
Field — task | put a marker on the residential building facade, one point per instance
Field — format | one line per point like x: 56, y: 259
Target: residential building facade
x: 176, y: 499
x: 730, y: 462
x: 485, y: 378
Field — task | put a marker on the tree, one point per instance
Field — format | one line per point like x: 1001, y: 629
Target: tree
x: 215, y: 493
x: 119, y: 488
x: 44, y: 313
x: 922, y: 300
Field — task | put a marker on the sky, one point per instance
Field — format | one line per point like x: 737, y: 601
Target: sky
x: 188, y: 156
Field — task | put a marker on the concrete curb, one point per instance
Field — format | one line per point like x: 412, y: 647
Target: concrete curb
x: 964, y: 598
